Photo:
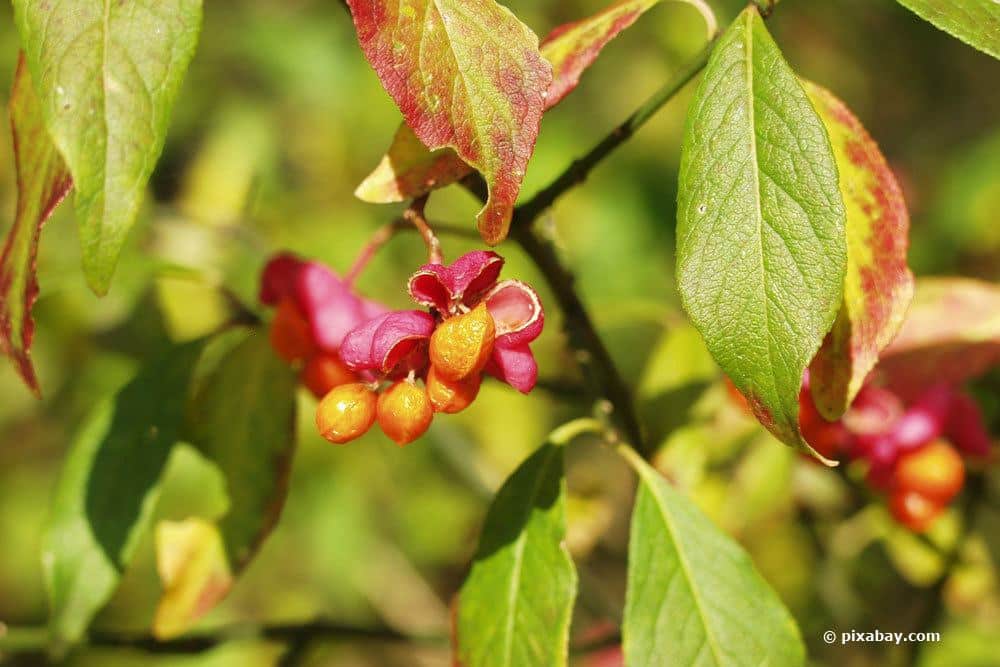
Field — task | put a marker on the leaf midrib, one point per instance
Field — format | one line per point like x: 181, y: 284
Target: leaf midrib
x: 102, y: 239
x: 758, y: 204
x: 651, y: 486
x: 522, y: 538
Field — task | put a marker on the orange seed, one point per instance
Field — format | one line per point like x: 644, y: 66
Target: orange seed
x: 324, y: 372
x: 449, y: 396
x: 462, y: 345
x: 346, y: 413
x: 405, y: 412
x: 290, y: 334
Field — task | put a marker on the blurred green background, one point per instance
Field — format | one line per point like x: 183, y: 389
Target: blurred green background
x: 280, y: 118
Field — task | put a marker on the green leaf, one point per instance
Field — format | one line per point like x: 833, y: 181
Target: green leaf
x: 42, y: 182
x: 761, y: 248
x: 515, y: 607
x: 107, y: 74
x: 467, y: 75
x: 879, y: 285
x: 242, y: 418
x: 109, y: 488
x: 951, y: 334
x: 975, y: 22
x: 694, y: 597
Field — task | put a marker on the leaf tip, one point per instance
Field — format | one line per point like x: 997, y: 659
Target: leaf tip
x: 98, y: 276
x: 379, y: 187
x: 494, y: 223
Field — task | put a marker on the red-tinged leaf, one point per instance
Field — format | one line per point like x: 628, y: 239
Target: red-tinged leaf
x: 467, y: 75
x: 410, y: 170
x: 878, y: 287
x: 42, y: 182
x: 951, y: 334
x: 573, y: 47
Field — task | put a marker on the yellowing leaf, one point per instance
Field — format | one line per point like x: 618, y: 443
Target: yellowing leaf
x: 42, y: 182
x: 409, y: 170
x: 879, y: 285
x: 191, y: 560
x: 467, y: 75
x: 242, y: 419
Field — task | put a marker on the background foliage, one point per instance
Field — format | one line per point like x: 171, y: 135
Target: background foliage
x: 280, y: 118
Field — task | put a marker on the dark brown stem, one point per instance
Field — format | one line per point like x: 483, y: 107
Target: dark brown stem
x: 296, y: 636
x: 291, y: 634
x: 600, y: 371
x: 602, y: 375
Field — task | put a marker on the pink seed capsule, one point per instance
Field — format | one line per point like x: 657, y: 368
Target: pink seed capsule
x: 966, y: 429
x: 882, y: 454
x: 925, y: 420
x: 874, y: 411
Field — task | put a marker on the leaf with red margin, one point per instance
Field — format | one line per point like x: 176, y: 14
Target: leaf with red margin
x: 573, y: 47
x: 467, y: 75
x: 878, y: 286
x: 952, y: 334
x: 410, y: 170
x: 42, y: 182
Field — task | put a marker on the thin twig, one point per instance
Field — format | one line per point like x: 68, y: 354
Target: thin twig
x: 602, y: 375
x: 290, y: 634
x: 388, y: 231
x: 580, y: 169
x: 382, y: 235
x: 415, y: 216
x: 296, y: 636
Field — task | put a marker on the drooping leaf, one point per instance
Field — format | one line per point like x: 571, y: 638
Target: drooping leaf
x: 109, y: 487
x: 467, y: 75
x: 515, y: 607
x: 409, y: 169
x: 694, y: 596
x: 761, y: 249
x: 879, y: 284
x: 975, y: 22
x: 42, y: 182
x: 107, y: 74
x: 951, y: 334
x: 242, y: 418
